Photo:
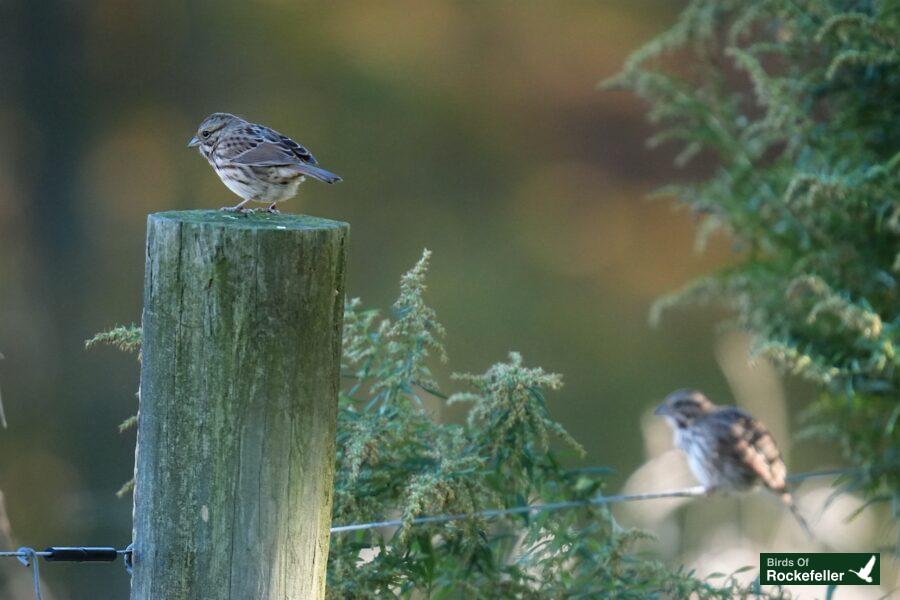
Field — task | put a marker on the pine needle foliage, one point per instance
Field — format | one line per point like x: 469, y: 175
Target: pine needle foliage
x: 796, y: 103
x: 396, y: 459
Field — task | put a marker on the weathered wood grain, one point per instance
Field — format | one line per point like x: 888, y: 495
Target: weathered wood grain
x: 239, y: 383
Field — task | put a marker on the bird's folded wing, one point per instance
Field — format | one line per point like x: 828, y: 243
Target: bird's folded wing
x: 267, y: 154
x: 755, y: 445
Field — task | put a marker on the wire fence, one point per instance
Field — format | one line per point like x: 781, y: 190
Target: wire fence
x: 29, y: 557
x: 691, y: 492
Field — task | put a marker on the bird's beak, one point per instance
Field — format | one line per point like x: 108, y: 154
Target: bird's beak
x: 194, y: 141
x: 661, y: 410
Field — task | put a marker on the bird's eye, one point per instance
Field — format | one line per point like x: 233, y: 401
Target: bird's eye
x: 204, y: 134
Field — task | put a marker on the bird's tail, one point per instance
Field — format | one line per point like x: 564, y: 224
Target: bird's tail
x: 317, y: 173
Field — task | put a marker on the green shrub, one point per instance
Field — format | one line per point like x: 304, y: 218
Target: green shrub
x: 396, y: 460
x: 796, y: 103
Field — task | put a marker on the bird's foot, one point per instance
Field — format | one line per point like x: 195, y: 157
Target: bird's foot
x: 273, y: 210
x: 239, y: 210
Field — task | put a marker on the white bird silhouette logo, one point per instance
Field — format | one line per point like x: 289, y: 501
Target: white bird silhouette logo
x: 866, y: 572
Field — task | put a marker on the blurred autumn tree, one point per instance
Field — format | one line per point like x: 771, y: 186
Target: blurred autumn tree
x: 797, y: 103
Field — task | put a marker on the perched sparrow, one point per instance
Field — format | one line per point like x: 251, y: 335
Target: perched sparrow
x: 255, y: 162
x: 726, y: 448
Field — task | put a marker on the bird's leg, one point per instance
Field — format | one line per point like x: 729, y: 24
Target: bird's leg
x: 273, y: 210
x: 239, y: 208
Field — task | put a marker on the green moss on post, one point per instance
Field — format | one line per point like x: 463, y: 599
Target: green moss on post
x: 239, y: 383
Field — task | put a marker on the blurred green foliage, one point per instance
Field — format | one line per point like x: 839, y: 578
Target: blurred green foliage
x: 807, y: 181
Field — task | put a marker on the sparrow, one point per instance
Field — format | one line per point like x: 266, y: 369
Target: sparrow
x: 726, y: 447
x: 254, y: 161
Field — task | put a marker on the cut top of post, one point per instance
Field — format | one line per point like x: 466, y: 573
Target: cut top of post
x: 249, y: 220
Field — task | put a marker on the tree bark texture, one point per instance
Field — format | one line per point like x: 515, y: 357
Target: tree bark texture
x: 239, y: 382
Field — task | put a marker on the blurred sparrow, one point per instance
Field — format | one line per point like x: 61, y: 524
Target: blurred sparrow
x: 726, y: 448
x: 255, y: 162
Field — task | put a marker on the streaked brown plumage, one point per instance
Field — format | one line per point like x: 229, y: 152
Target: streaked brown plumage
x: 726, y: 447
x: 255, y: 162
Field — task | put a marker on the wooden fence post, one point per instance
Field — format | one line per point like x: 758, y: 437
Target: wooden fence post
x: 239, y: 382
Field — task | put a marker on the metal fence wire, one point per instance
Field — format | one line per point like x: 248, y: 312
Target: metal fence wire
x: 29, y: 557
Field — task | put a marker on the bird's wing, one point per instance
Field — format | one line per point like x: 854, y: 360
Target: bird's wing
x: 266, y: 154
x: 751, y: 442
x: 301, y: 152
x: 264, y: 147
x: 865, y: 571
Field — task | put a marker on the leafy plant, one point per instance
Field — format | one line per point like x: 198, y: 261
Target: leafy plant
x: 396, y: 460
x: 125, y: 338
x: 796, y: 102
